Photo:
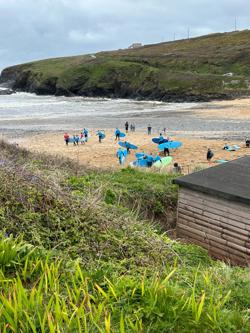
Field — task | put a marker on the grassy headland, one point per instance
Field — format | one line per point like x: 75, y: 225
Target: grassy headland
x: 185, y: 70
x: 86, y: 258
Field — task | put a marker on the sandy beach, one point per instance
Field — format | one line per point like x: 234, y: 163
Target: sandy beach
x: 232, y: 109
x: 38, y: 123
x: 190, y: 156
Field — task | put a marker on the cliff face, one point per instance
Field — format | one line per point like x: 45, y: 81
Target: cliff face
x: 210, y: 67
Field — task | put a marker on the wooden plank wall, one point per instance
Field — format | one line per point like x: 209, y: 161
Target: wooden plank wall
x: 221, y: 226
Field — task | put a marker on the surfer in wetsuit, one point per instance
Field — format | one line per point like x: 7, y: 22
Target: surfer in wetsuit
x: 149, y: 129
x: 247, y: 142
x: 127, y: 147
x: 166, y: 151
x: 126, y: 126
x: 161, y: 138
x: 86, y: 134
x: 210, y: 154
x: 117, y: 134
x: 150, y: 161
x: 77, y: 139
x: 120, y: 155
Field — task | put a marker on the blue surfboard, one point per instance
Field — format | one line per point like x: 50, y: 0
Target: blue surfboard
x: 140, y: 155
x: 122, y: 135
x: 159, y: 140
x: 103, y: 136
x: 127, y: 145
x: 72, y: 140
x: 170, y: 145
x: 142, y: 163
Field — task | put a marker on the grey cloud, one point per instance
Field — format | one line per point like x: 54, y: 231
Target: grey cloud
x: 36, y: 29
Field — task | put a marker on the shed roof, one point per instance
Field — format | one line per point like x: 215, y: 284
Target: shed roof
x: 230, y: 180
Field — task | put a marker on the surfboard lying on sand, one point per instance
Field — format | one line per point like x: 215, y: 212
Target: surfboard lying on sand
x: 232, y: 148
x: 127, y: 145
x: 142, y: 163
x: 170, y: 145
x: 221, y: 161
x: 159, y: 140
x: 163, y: 162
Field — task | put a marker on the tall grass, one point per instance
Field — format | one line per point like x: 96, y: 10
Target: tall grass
x: 48, y: 294
x: 72, y: 262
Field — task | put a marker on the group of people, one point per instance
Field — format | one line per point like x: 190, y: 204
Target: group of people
x: 131, y: 126
x: 77, y: 138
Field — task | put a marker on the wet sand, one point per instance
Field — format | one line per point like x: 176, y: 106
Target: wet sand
x: 238, y: 109
x: 190, y: 156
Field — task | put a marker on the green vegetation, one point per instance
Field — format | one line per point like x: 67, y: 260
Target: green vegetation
x: 191, y: 69
x: 79, y: 254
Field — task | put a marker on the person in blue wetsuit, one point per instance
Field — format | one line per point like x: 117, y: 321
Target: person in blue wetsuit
x: 77, y: 139
x: 117, y: 134
x: 150, y: 161
x: 127, y: 147
x: 100, y: 136
x: 86, y: 134
x: 120, y: 155
x: 161, y: 138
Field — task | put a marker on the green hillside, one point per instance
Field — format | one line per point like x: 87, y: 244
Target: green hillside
x: 89, y: 252
x: 183, y: 70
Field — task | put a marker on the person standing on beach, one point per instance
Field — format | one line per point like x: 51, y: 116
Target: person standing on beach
x: 166, y: 151
x: 86, y: 134
x: 117, y: 134
x: 210, y: 154
x: 66, y: 138
x: 149, y: 129
x: 82, y: 139
x: 100, y: 136
x: 161, y: 139
x: 126, y: 127
x: 120, y: 155
x: 77, y: 138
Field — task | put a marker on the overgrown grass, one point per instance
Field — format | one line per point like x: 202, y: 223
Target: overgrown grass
x: 76, y: 256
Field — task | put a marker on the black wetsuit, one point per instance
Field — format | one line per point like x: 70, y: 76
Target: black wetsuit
x: 166, y: 151
x: 210, y: 154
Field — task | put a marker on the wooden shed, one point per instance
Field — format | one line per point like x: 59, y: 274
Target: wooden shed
x: 214, y: 210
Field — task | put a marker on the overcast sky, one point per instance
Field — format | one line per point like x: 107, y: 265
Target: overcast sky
x: 38, y: 29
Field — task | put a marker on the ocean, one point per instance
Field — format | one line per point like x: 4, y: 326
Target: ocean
x: 24, y: 113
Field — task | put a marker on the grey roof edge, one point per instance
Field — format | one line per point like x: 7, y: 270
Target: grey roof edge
x: 211, y: 192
